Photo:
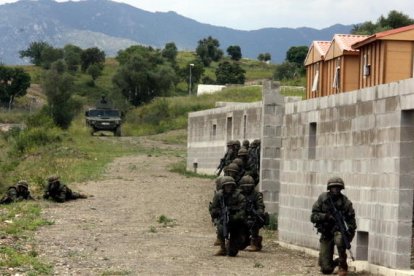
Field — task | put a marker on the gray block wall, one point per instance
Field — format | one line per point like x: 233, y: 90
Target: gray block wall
x: 271, y: 144
x: 209, y: 130
x: 367, y: 138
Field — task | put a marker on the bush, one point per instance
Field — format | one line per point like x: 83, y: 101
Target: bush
x: 35, y: 137
x: 272, y: 222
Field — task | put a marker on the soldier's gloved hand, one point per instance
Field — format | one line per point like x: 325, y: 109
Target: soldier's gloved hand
x: 328, y: 217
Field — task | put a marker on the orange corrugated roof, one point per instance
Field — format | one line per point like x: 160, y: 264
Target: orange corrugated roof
x: 381, y: 35
x: 345, y: 41
x: 322, y: 46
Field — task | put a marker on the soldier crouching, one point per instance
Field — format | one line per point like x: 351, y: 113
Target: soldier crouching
x: 323, y: 210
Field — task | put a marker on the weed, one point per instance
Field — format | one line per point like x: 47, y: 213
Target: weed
x: 153, y: 229
x: 167, y: 222
x: 258, y: 265
x: 272, y: 222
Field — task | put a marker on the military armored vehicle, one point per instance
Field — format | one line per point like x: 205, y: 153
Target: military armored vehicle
x: 104, y: 118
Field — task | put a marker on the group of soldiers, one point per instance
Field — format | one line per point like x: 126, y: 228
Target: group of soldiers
x: 55, y: 190
x: 238, y: 211
x: 237, y: 208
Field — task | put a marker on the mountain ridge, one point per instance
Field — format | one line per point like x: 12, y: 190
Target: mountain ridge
x: 113, y: 26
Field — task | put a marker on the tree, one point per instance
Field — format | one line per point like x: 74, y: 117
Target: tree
x: 91, y: 56
x: 34, y: 52
x: 13, y: 83
x: 297, y: 54
x: 95, y: 71
x: 58, y: 87
x: 394, y: 20
x: 265, y: 57
x: 234, y: 52
x: 143, y: 75
x: 170, y: 52
x: 285, y: 71
x: 72, y: 56
x: 229, y: 73
x: 208, y: 50
x: 50, y: 55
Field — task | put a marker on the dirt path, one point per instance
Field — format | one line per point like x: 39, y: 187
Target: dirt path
x: 116, y: 232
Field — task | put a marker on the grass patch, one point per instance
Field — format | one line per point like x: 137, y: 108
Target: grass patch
x: 17, y: 222
x: 181, y: 168
x: 20, y: 217
x: 26, y: 261
x: 166, y: 221
x: 272, y: 222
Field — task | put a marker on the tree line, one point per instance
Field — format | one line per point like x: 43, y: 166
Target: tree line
x: 145, y: 72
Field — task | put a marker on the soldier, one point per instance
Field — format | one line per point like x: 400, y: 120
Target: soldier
x: 324, y: 221
x: 253, y: 161
x: 59, y: 192
x: 245, y: 144
x: 233, y: 170
x: 218, y: 182
x: 255, y: 212
x: 228, y: 157
x: 228, y: 206
x: 236, y: 146
x: 16, y: 193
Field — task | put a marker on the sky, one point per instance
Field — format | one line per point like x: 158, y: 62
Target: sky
x: 257, y: 14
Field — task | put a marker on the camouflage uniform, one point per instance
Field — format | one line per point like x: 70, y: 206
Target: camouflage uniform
x: 255, y: 211
x: 330, y: 235
x: 253, y: 161
x: 236, y: 203
x: 231, y: 154
x: 59, y: 192
x: 16, y: 193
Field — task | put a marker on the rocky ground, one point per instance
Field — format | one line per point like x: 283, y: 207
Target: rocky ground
x: 117, y: 231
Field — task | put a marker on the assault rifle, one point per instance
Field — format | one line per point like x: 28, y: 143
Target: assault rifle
x: 264, y: 219
x: 342, y: 225
x: 220, y: 167
x: 225, y: 218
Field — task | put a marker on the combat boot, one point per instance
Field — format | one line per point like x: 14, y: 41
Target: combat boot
x: 253, y: 247
x: 222, y: 251
x: 259, y: 242
x: 342, y: 272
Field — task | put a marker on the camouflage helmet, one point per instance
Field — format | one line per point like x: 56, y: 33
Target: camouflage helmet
x: 53, y: 178
x: 232, y: 167
x: 23, y: 183
x: 247, y: 180
x: 218, y: 182
x: 227, y: 180
x: 237, y: 143
x: 230, y: 143
x: 238, y: 162
x: 242, y: 152
x: 246, y: 144
x: 335, y: 182
x: 255, y: 143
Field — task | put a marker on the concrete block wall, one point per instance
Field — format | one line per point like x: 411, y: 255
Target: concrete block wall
x: 271, y: 144
x: 367, y: 138
x: 209, y: 130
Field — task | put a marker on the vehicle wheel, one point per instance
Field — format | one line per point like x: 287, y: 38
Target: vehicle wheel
x: 117, y: 132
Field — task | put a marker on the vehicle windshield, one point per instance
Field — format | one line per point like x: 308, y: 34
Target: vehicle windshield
x: 103, y: 113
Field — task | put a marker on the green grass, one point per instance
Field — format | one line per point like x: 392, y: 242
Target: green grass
x: 181, y: 168
x: 21, y: 217
x: 18, y: 221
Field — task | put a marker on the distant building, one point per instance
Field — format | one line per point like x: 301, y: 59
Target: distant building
x: 351, y: 62
x: 386, y: 57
